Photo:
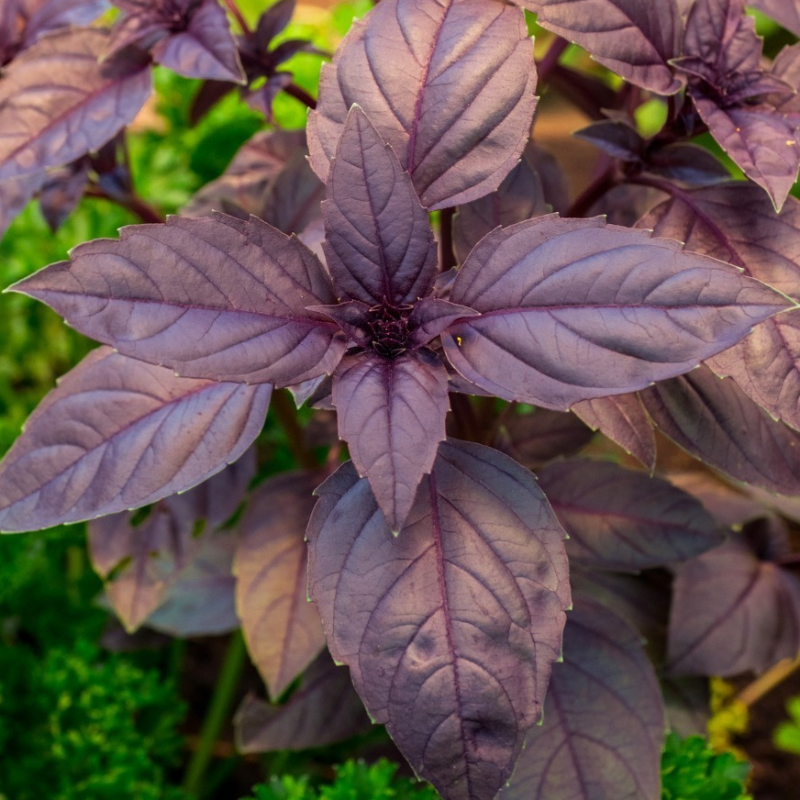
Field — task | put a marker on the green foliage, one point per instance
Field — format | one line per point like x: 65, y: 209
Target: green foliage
x: 690, y: 770
x: 354, y: 781
x: 787, y: 734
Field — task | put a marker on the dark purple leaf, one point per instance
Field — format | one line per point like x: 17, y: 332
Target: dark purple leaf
x: 246, y: 179
x: 205, y: 49
x: 688, y: 163
x: 735, y: 222
x: 622, y: 419
x: 715, y: 421
x: 624, y: 520
x: 617, y: 137
x: 53, y: 14
x: 292, y: 202
x: 687, y: 702
x: 603, y: 723
x: 379, y: 245
x: 57, y: 102
x: 762, y: 140
x: 533, y: 439
x: 635, y: 39
x: 118, y: 433
x: 574, y: 309
x: 273, y: 21
x: 201, y: 602
x: 450, y: 628
x: 391, y: 414
x: 404, y: 64
x: 519, y: 197
x: 262, y: 98
x: 626, y: 204
x: 15, y: 194
x: 732, y: 612
x: 281, y: 628
x: 214, y: 297
x: 61, y: 193
x: 323, y: 711
x: 787, y: 12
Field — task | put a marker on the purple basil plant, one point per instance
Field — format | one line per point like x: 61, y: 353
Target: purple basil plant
x: 462, y: 594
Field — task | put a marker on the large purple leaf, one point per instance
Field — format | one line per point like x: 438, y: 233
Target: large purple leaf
x: 205, y: 49
x: 520, y: 196
x: 573, y: 309
x: 603, y: 723
x: 57, y: 101
x: 635, y: 39
x: 405, y: 63
x: 732, y: 612
x: 787, y: 12
x: 379, y: 244
x: 715, y: 421
x: 118, y: 433
x: 622, y: 419
x: 215, y: 298
x: 737, y: 223
x: 625, y: 520
x: 51, y: 14
x: 323, y: 711
x: 201, y: 602
x: 761, y: 139
x: 391, y: 414
x: 450, y: 628
x: 281, y: 628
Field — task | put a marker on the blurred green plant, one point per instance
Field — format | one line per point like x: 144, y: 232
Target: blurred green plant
x: 787, y: 734
x: 691, y: 770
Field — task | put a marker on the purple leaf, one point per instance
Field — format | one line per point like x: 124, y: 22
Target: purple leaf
x: 450, y: 628
x: 391, y: 414
x: 323, y: 711
x: 715, y: 421
x: 118, y: 433
x: 622, y: 419
x: 53, y: 14
x: 273, y: 21
x: 726, y: 504
x: 15, y: 194
x: 617, y: 137
x: 533, y: 439
x: 405, y: 63
x: 603, y: 724
x: 623, y: 520
x: 574, y: 309
x: 732, y: 612
x: 281, y: 628
x: 762, y: 140
x: 520, y: 196
x: 687, y: 162
x: 201, y: 602
x: 292, y: 202
x: 57, y: 102
x: 379, y: 246
x: 737, y: 223
x: 205, y: 49
x: 787, y: 13
x: 635, y: 39
x: 214, y: 298
x: 61, y: 193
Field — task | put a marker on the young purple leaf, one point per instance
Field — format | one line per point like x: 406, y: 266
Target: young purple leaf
x: 635, y: 39
x: 787, y: 13
x: 737, y: 223
x: 520, y: 196
x: 379, y: 244
x: 213, y: 298
x: 323, y: 711
x: 603, y: 726
x: 617, y: 137
x: 623, y: 520
x: 118, y: 433
x: 201, y: 602
x: 450, y: 629
x: 732, y: 612
x: 205, y: 49
x: 57, y: 102
x: 622, y: 419
x: 715, y: 421
x: 281, y: 628
x: 573, y: 309
x: 391, y: 414
x: 405, y: 63
x: 689, y: 163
